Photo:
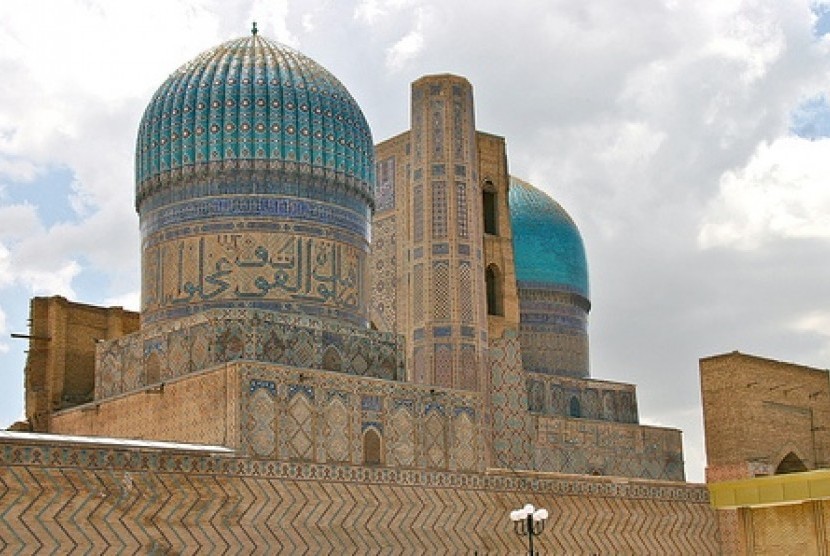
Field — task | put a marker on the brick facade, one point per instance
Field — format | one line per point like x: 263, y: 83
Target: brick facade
x: 765, y: 417
x: 60, y: 496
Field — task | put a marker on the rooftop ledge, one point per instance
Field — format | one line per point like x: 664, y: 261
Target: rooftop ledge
x: 775, y: 490
x: 105, y: 441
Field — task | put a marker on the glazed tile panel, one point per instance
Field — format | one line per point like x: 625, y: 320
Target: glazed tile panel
x: 163, y: 352
x: 252, y: 99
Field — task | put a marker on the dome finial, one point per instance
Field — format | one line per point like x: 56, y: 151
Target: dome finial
x: 254, y: 29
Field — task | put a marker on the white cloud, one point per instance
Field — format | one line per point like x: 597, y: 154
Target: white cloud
x: 405, y: 49
x: 815, y: 323
x: 130, y: 301
x: 18, y: 170
x: 4, y: 347
x: 782, y: 192
x: 19, y: 221
x: 368, y: 11
x: 53, y: 282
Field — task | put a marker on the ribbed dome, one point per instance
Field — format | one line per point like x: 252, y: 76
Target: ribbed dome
x: 547, y: 246
x: 252, y: 103
x: 254, y: 189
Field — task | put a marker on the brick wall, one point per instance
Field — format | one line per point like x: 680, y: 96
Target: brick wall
x: 60, y: 367
x: 60, y: 497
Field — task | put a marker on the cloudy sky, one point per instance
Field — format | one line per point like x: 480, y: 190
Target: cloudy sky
x: 689, y: 140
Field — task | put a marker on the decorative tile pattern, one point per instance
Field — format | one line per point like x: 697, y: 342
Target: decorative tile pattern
x: 511, y: 420
x: 553, y: 331
x: 437, y: 128
x: 99, y: 499
x: 597, y: 400
x: 461, y: 215
x: 299, y: 429
x: 385, y: 188
x: 584, y: 447
x: 338, y: 433
x: 465, y: 292
x: 441, y: 291
x: 418, y: 213
x: 215, y: 337
x: 418, y: 294
x: 253, y: 101
x: 443, y: 365
x: 384, y: 265
x: 281, y: 271
x: 401, y: 438
x: 260, y: 428
x: 322, y: 416
x: 439, y: 209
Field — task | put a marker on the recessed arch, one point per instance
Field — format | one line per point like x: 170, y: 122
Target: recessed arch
x: 790, y: 463
x: 574, y: 407
x: 495, y: 292
x: 372, y: 447
x: 489, y: 207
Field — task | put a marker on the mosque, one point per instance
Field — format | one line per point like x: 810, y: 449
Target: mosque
x: 401, y: 325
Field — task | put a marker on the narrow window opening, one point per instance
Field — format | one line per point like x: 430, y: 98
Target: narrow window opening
x: 490, y: 209
x: 575, y: 410
x: 371, y: 447
x: 492, y: 278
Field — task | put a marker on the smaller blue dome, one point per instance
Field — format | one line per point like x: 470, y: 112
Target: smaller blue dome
x: 547, y: 246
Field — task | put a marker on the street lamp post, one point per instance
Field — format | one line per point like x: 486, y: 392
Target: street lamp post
x: 529, y: 521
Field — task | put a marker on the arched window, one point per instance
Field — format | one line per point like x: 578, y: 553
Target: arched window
x: 790, y: 464
x: 492, y: 277
x: 575, y: 410
x: 371, y: 447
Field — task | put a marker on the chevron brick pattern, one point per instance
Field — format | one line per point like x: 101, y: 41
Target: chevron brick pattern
x: 82, y: 499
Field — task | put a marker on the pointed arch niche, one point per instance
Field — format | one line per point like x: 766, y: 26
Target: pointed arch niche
x: 790, y: 463
x: 495, y: 290
x: 372, y: 453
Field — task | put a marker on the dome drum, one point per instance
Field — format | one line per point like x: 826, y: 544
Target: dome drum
x: 552, y: 281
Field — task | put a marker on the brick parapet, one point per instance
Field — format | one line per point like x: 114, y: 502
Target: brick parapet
x: 60, y: 496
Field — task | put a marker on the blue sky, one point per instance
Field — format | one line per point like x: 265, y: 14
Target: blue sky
x: 689, y: 141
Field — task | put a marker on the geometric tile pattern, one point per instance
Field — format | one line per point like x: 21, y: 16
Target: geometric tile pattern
x: 220, y: 336
x: 383, y: 271
x: 587, y: 447
x: 252, y: 100
x: 597, y: 399
x: 553, y: 331
x: 321, y: 416
x: 511, y: 421
x: 400, y: 439
x: 64, y: 498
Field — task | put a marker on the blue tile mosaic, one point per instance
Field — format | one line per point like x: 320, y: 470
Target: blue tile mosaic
x: 252, y: 99
x: 547, y: 246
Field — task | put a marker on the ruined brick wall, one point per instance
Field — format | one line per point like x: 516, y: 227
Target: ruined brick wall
x: 60, y: 367
x: 201, y: 409
x: 60, y: 497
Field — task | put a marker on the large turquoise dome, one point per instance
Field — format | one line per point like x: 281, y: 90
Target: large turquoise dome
x: 547, y: 246
x: 252, y: 103
x: 254, y: 189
